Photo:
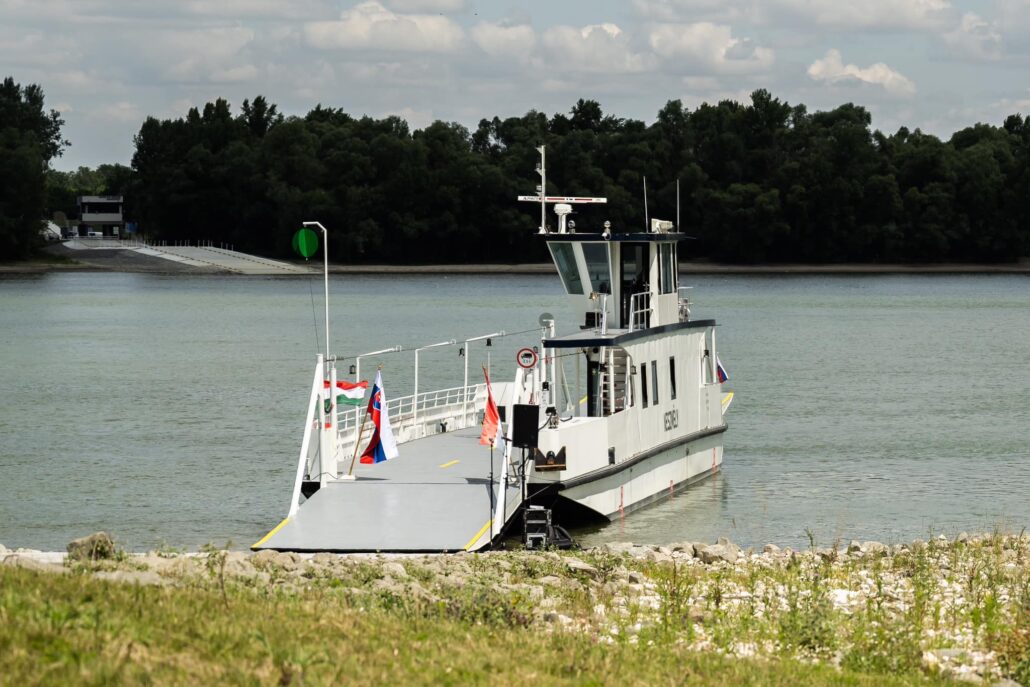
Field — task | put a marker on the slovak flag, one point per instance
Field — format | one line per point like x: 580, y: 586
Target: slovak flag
x: 491, y: 435
x: 720, y: 371
x: 382, y: 445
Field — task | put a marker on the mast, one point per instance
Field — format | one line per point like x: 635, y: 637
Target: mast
x: 542, y: 171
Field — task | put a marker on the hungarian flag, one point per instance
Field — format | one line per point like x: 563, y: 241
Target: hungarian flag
x: 348, y: 393
x: 491, y: 435
x: 382, y: 446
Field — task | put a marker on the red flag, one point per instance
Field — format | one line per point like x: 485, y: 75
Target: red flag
x: 491, y: 418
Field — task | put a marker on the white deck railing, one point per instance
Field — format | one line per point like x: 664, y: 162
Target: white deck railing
x: 440, y: 411
x: 639, y: 311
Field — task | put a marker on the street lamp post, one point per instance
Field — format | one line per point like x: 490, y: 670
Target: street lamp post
x: 325, y: 246
x: 465, y: 352
x: 414, y: 398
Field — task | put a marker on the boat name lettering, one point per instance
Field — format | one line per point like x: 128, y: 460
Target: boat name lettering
x: 672, y: 420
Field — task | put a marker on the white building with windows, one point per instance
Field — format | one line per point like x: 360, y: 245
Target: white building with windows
x: 101, y: 216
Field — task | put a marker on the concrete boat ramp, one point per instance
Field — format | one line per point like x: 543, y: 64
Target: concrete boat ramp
x: 187, y: 258
x: 436, y: 496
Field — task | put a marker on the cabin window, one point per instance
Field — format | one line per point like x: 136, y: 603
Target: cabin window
x: 672, y: 378
x: 643, y: 384
x: 654, y: 382
x: 598, y: 266
x: 565, y: 261
x: 667, y: 266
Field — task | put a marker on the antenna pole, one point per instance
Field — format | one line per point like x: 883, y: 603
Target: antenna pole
x: 647, y: 227
x: 543, y: 189
x: 677, y: 204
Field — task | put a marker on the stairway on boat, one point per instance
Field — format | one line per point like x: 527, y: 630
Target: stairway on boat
x: 613, y: 381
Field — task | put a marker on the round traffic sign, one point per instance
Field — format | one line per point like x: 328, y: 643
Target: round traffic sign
x: 526, y: 358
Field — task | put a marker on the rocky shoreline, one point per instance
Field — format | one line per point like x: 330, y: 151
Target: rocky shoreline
x: 956, y: 608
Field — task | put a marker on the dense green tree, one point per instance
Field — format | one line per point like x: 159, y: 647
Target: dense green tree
x: 30, y: 137
x: 758, y: 181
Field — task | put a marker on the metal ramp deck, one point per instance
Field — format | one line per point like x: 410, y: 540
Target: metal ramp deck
x: 434, y: 497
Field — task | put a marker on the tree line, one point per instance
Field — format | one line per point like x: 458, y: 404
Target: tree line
x: 764, y: 181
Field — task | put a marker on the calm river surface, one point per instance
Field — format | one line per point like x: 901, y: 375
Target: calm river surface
x: 169, y: 409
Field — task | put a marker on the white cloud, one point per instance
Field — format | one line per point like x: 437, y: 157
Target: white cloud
x: 832, y: 69
x: 847, y: 15
x: 241, y: 73
x: 871, y: 14
x: 975, y: 37
x: 198, y: 55
x: 498, y: 40
x: 600, y: 48
x: 121, y: 111
x: 711, y: 45
x: 370, y: 26
x: 414, y: 6
x: 416, y: 119
x: 249, y: 8
x: 694, y: 10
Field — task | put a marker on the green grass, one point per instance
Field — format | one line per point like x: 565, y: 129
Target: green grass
x: 74, y: 629
x: 914, y: 615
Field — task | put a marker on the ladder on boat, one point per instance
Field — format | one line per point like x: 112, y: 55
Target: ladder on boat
x: 612, y: 379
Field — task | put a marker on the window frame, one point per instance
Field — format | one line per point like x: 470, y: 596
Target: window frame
x: 643, y: 385
x: 654, y: 382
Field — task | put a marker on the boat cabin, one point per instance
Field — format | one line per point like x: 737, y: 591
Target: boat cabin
x: 619, y: 281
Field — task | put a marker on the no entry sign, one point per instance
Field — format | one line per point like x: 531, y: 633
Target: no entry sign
x: 526, y: 358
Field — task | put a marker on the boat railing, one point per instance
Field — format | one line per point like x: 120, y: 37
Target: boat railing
x: 639, y: 311
x: 439, y: 411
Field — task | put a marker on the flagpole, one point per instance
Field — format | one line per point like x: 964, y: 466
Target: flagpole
x: 357, y: 444
x: 361, y: 432
x: 490, y: 516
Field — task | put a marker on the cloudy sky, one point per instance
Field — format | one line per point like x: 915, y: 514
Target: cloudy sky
x: 107, y: 64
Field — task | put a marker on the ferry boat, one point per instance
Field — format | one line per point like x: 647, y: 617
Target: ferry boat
x: 626, y: 410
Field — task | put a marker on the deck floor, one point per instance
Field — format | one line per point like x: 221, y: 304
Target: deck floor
x: 435, y: 496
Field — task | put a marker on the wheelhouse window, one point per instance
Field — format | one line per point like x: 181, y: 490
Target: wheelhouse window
x: 565, y: 260
x: 654, y: 382
x: 667, y: 267
x: 672, y: 378
x: 643, y: 385
x: 599, y: 268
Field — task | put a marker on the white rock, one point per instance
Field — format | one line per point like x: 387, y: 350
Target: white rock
x: 395, y: 570
x: 719, y: 552
x: 843, y: 598
x: 577, y: 566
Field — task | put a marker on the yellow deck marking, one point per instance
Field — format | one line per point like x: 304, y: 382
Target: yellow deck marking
x: 453, y: 462
x: 269, y: 535
x: 478, y: 534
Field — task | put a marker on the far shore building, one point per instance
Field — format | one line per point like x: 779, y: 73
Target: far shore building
x: 101, y: 216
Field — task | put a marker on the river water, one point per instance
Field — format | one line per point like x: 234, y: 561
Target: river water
x: 168, y: 410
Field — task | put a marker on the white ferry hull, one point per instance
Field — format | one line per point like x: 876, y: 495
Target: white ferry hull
x: 650, y: 480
